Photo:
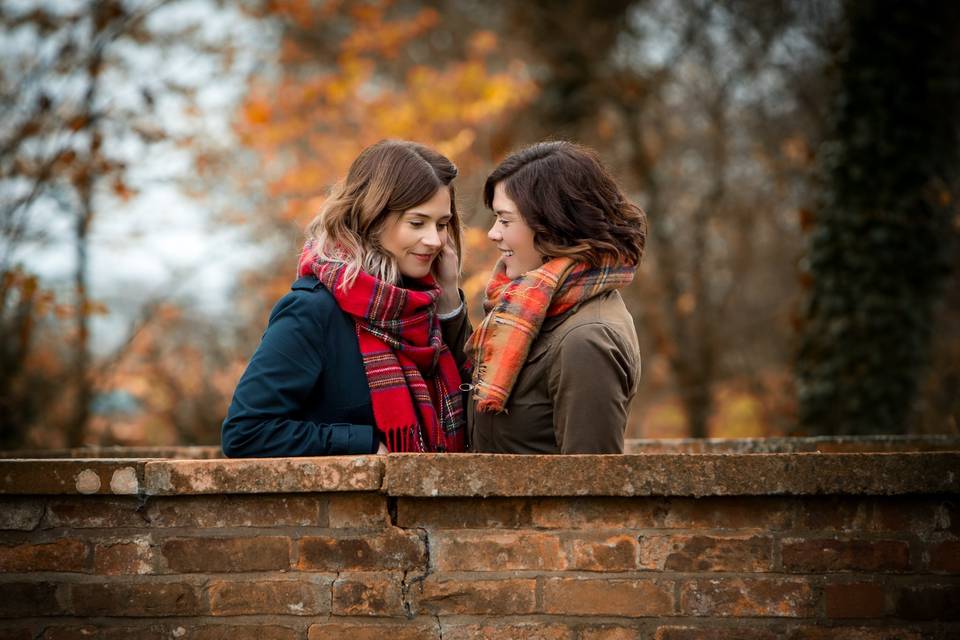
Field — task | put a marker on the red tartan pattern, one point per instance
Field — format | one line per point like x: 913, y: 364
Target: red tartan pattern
x: 413, y: 378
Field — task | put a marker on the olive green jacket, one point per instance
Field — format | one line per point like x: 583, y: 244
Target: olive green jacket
x: 573, y: 394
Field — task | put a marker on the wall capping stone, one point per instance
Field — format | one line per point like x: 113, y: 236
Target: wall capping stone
x: 465, y: 475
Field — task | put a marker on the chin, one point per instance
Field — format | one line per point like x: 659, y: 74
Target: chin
x: 417, y: 271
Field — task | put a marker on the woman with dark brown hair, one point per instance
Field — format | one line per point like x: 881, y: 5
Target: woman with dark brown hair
x: 355, y: 359
x: 556, y: 360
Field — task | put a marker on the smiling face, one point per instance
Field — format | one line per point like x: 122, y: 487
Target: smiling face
x: 512, y: 236
x: 416, y: 236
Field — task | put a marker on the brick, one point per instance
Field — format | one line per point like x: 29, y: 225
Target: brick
x: 389, y: 549
x: 855, y: 600
x: 715, y: 632
x: 456, y: 596
x: 729, y: 512
x: 766, y: 597
x: 945, y: 557
x: 124, y: 557
x: 368, y: 594
x: 827, y: 555
x: 65, y: 554
x: 416, y: 629
x: 856, y: 633
x: 20, y: 514
x: 264, y: 475
x: 94, y: 512
x: 464, y: 513
x: 929, y: 602
x: 917, y: 514
x: 706, y: 553
x: 63, y: 476
x: 608, y: 553
x: 358, y: 510
x: 124, y: 599
x: 611, y: 596
x: 834, y: 513
x: 218, y: 555
x: 210, y: 512
x: 610, y: 632
x: 187, y: 631
x: 268, y: 596
x: 25, y: 599
x: 91, y: 632
x: 486, y: 550
x: 506, y: 631
x: 239, y: 632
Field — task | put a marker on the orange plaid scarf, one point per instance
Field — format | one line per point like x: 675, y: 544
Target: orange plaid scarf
x: 515, y: 312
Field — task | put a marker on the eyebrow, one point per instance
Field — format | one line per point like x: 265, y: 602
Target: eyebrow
x: 504, y: 212
x: 419, y: 214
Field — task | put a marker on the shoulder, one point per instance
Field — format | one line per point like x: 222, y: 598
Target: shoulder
x: 603, y: 319
x: 306, y: 300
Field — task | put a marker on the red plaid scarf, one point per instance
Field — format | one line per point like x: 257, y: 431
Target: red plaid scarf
x: 516, y: 310
x: 413, y: 378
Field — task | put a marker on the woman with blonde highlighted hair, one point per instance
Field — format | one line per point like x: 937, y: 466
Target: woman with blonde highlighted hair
x: 355, y: 359
x: 556, y: 360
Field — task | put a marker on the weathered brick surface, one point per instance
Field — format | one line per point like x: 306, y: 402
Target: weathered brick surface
x: 464, y: 513
x: 358, y: 510
x: 216, y: 555
x: 131, y: 556
x: 457, y: 595
x: 94, y: 512
x: 250, y: 475
x: 210, y: 512
x: 59, y: 555
x: 370, y: 593
x: 509, y: 631
x: 616, y: 552
x: 608, y: 597
x: 298, y: 597
x: 706, y: 553
x: 391, y: 549
x: 20, y: 514
x: 86, y: 477
x: 929, y: 602
x: 25, y: 599
x: 354, y: 561
x: 774, y: 597
x: 715, y: 632
x: 611, y: 632
x: 186, y: 630
x: 859, y: 633
x: 825, y: 555
x: 416, y: 629
x: 945, y: 556
x: 136, y: 599
x: 855, y: 600
x: 487, y: 550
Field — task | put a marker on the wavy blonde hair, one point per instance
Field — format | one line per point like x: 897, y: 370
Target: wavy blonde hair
x: 386, y: 179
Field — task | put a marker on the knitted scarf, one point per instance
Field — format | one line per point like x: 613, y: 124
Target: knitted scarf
x: 413, y: 378
x: 515, y: 312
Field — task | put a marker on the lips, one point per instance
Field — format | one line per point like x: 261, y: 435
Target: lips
x: 424, y: 257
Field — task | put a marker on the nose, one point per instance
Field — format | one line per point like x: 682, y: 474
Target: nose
x: 494, y: 233
x: 432, y: 238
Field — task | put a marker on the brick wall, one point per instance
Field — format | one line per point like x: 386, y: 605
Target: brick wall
x: 665, y: 546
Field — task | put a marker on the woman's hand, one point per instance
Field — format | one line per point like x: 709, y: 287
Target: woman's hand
x: 448, y: 277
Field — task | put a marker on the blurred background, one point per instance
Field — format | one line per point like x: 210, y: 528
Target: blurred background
x: 159, y: 161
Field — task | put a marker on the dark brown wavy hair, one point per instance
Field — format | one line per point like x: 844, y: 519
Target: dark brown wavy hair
x: 571, y: 202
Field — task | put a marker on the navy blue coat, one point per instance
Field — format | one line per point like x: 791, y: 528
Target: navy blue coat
x: 304, y: 392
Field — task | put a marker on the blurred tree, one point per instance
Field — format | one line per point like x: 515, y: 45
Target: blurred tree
x: 878, y: 255
x: 347, y: 75
x: 78, y: 118
x: 708, y: 111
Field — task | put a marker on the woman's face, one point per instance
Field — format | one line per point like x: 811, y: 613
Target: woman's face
x: 512, y: 236
x: 415, y: 237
